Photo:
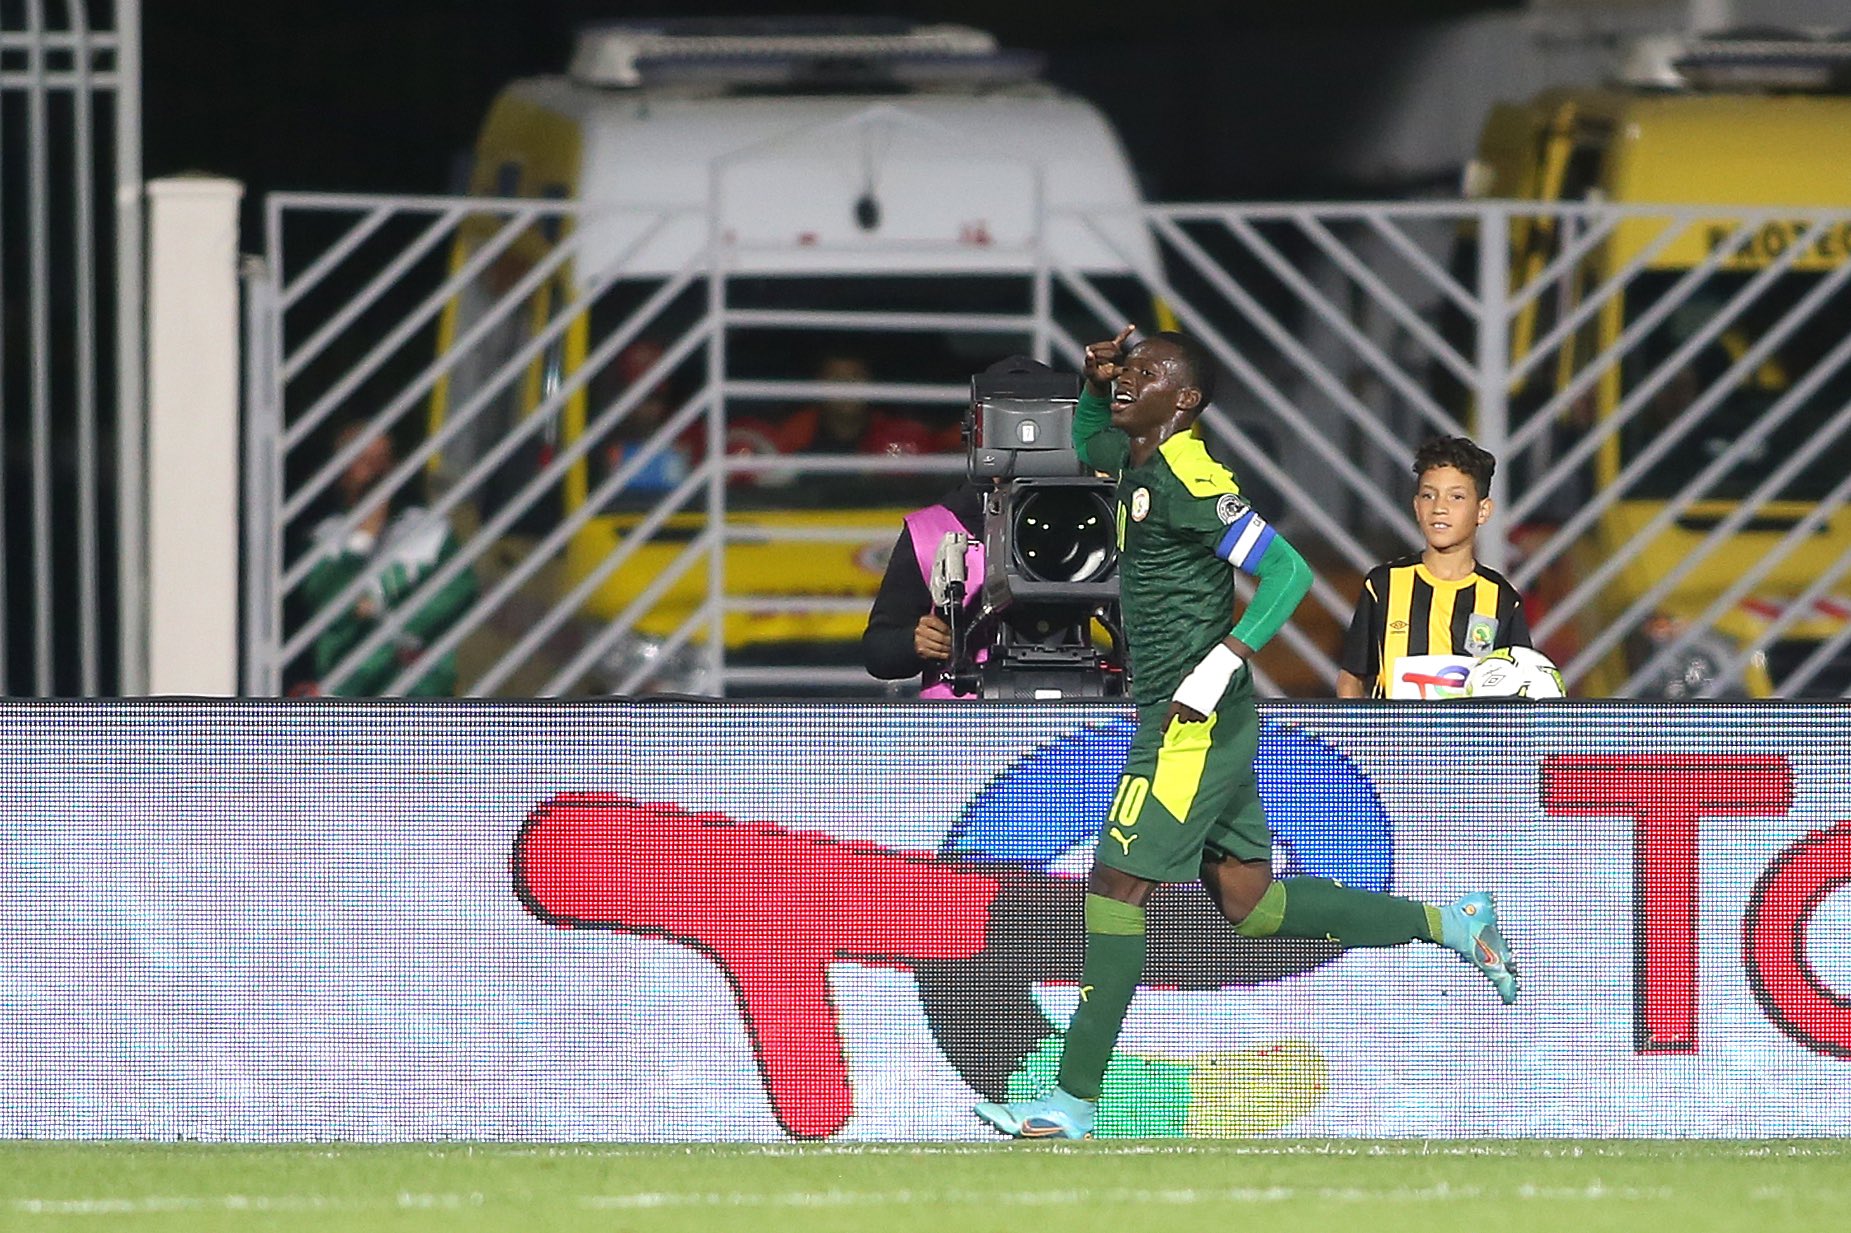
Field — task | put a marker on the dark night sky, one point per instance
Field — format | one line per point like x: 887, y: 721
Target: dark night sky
x: 363, y: 96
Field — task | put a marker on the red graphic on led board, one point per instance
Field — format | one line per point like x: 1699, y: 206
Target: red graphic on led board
x: 774, y: 908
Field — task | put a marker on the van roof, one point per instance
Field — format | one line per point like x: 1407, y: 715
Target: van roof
x: 1731, y: 149
x: 1748, y: 58
x: 1684, y: 149
x: 955, y: 178
x: 789, y: 51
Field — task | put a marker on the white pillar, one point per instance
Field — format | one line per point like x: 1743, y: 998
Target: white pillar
x: 193, y: 469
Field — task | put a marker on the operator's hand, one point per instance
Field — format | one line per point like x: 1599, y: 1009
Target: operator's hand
x: 1103, y: 360
x: 932, y: 637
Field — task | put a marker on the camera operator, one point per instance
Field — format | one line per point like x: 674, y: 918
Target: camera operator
x: 995, y: 590
x: 907, y: 632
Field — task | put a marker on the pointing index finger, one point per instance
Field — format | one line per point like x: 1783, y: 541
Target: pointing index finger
x: 1123, y: 335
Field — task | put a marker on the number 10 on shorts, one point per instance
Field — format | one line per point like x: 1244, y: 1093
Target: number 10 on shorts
x: 1128, y: 801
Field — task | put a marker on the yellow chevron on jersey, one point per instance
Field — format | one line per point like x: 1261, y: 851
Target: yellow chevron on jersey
x: 1190, y: 462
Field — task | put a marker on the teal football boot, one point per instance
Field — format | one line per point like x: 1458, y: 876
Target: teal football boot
x: 1054, y: 1116
x: 1469, y: 926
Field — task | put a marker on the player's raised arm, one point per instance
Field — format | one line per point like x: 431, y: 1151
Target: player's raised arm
x: 1104, y: 361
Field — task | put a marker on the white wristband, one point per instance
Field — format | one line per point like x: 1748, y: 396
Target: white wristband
x: 1201, y: 690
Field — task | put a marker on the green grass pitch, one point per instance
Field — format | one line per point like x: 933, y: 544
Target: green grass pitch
x: 1270, y: 1186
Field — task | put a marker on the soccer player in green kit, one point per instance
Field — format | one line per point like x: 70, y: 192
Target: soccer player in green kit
x: 1188, y: 806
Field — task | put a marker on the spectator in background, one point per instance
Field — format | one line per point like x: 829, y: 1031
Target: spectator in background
x: 670, y: 464
x: 394, y: 552
x: 847, y: 424
x: 844, y: 424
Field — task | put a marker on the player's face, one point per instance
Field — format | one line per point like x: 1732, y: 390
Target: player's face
x: 1150, y: 388
x: 1448, y: 507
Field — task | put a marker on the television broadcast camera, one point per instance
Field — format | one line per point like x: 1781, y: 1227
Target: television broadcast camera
x: 1050, y: 548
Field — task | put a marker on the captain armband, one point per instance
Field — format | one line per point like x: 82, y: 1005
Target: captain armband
x: 1246, y: 540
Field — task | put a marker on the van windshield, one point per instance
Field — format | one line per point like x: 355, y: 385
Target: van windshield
x: 1796, y: 356
x: 904, y: 425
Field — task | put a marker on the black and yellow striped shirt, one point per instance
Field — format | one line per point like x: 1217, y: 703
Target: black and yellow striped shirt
x: 1405, y: 610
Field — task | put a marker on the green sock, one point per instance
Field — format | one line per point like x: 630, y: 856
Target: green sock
x: 1321, y: 908
x: 1114, y: 963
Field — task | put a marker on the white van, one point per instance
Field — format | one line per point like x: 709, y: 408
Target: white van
x: 783, y: 224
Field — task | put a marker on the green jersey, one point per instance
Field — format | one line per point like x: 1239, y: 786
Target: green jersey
x: 1183, y: 527
x: 413, y: 547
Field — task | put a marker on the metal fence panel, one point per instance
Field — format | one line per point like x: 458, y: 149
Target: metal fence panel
x: 70, y: 236
x: 1662, y: 386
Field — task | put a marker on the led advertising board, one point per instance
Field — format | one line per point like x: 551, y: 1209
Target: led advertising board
x: 662, y: 921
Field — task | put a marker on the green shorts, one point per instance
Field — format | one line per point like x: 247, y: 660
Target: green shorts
x: 1187, y: 791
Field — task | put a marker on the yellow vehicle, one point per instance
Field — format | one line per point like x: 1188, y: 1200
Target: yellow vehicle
x: 778, y: 226
x: 1677, y: 337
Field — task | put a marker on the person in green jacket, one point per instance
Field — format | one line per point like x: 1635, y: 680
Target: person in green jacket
x: 395, y: 551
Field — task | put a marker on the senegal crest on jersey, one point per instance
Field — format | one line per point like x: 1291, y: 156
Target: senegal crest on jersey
x: 1140, y: 505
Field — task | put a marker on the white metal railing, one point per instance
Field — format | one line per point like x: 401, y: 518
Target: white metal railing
x: 1347, y: 333
x: 71, y: 382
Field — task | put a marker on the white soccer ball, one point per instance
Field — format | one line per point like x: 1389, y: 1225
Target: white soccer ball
x: 1515, y: 672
